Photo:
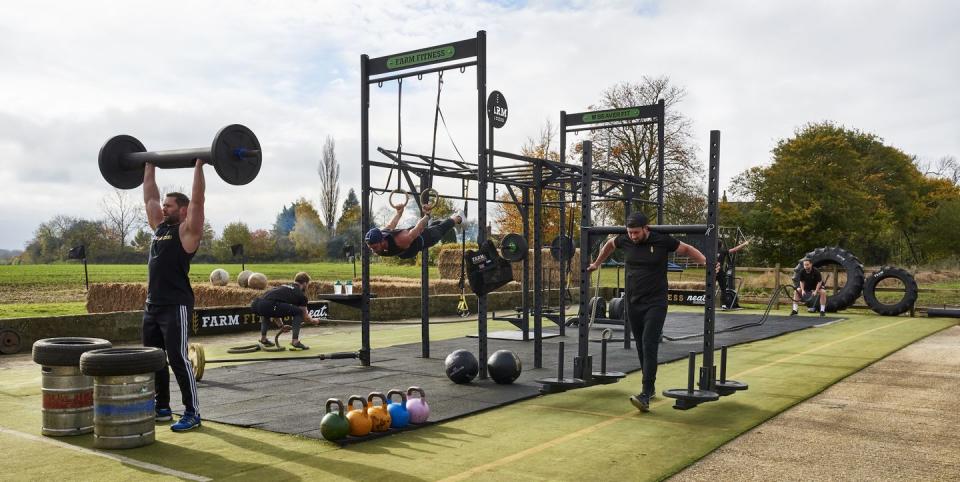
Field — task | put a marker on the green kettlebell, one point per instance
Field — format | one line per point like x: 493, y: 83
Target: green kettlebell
x: 334, y: 425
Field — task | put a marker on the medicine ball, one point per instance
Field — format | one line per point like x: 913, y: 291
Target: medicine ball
x: 461, y: 366
x: 504, y: 366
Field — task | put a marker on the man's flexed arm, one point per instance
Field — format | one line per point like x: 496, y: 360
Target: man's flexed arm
x: 151, y: 196
x: 191, y: 231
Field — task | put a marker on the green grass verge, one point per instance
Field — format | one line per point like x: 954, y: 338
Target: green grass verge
x: 576, y: 435
x: 36, y: 310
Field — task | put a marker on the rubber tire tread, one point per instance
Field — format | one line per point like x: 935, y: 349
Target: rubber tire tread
x: 615, y: 308
x: 123, y: 361
x: 850, y: 264
x: 601, y: 308
x: 65, y: 351
x: 944, y: 312
x: 910, y: 293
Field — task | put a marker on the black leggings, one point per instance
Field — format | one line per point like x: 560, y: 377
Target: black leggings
x: 277, y: 309
x: 646, y: 322
x: 430, y: 236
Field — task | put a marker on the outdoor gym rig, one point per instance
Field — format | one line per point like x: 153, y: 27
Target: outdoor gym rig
x: 524, y: 182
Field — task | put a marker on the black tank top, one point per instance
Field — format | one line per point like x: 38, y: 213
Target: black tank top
x: 168, y: 268
x: 392, y: 248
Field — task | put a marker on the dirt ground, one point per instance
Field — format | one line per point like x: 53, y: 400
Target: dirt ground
x: 895, y: 420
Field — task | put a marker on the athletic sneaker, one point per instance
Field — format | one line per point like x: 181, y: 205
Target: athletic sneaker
x: 793, y: 312
x: 823, y: 314
x: 641, y: 401
x: 811, y: 310
x: 298, y: 346
x: 164, y: 415
x: 267, y: 343
x: 188, y: 421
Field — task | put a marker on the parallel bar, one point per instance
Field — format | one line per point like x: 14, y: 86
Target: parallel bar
x: 410, y: 59
x: 660, y: 228
x: 611, y: 126
x: 388, y: 78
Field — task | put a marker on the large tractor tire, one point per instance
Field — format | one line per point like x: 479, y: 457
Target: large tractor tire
x: 909, y: 291
x: 822, y: 257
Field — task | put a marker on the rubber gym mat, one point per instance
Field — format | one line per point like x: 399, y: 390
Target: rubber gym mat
x: 288, y: 396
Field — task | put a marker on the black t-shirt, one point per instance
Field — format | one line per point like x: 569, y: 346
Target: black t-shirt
x: 291, y: 294
x: 646, y: 267
x: 810, y: 279
x: 168, y: 268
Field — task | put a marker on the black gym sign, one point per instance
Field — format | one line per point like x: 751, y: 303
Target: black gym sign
x: 497, y: 109
x: 214, y: 321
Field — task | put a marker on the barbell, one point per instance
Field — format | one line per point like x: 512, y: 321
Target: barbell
x: 234, y: 153
x: 198, y: 358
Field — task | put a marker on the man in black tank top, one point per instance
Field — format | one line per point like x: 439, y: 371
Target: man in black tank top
x: 645, y: 258
x: 407, y: 243
x: 178, y: 227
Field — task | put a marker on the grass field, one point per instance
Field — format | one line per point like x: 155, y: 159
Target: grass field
x: 583, y: 434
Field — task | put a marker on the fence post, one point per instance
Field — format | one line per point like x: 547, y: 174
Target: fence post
x: 776, y: 284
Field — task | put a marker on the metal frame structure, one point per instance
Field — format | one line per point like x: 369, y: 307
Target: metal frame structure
x: 524, y: 182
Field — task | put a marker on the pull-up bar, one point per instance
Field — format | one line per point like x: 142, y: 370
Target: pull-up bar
x: 659, y: 228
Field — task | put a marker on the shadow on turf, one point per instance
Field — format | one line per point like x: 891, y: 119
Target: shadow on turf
x: 334, y: 467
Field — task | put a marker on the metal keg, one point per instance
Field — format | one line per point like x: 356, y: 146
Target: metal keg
x: 67, y: 401
x: 124, y: 415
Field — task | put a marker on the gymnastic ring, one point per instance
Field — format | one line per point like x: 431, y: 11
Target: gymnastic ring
x: 406, y: 199
x: 606, y: 334
x: 425, y: 197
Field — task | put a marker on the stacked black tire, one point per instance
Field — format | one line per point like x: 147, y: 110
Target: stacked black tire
x: 850, y: 291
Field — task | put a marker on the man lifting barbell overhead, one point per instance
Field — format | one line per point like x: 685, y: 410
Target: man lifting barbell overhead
x: 645, y: 263
x: 407, y: 243
x: 178, y: 227
x: 811, y: 284
x: 285, y: 300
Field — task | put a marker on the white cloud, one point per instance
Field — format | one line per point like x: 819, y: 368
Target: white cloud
x: 173, y: 73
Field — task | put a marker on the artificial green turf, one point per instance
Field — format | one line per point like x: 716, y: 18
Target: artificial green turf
x: 583, y: 434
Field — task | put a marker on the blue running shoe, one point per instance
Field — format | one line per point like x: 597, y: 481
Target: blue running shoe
x: 164, y: 415
x: 188, y: 421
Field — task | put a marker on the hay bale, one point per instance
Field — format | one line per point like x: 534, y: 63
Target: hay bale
x: 243, y: 277
x: 110, y: 297
x: 219, y: 277
x: 257, y: 281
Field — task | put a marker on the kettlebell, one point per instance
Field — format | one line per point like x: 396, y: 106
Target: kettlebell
x: 358, y: 418
x: 379, y: 416
x: 399, y: 416
x: 417, y: 407
x: 334, y: 425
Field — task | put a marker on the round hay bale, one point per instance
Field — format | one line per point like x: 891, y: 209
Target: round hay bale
x: 243, y: 277
x: 219, y: 277
x: 257, y: 281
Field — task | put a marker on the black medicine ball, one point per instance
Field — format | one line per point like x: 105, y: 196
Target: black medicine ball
x: 461, y: 366
x: 504, y: 366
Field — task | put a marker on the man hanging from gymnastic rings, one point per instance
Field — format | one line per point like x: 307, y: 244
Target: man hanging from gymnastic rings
x: 407, y: 243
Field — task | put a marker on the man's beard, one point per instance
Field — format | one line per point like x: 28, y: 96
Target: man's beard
x: 171, y: 219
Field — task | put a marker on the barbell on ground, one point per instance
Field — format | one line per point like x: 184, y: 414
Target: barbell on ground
x: 197, y: 355
x: 235, y: 154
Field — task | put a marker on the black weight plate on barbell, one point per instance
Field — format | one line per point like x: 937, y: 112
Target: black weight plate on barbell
x: 230, y: 167
x: 119, y: 173
x: 513, y: 247
x: 561, y: 247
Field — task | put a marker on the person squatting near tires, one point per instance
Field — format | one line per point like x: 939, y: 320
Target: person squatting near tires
x: 178, y: 227
x: 810, y: 284
x: 645, y: 261
x: 285, y: 300
x: 407, y: 243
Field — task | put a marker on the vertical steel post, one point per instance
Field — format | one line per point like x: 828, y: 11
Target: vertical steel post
x: 538, y: 266
x: 583, y: 346
x: 482, y: 160
x: 425, y: 182
x: 660, y: 153
x: 364, y: 209
x: 525, y: 265
x: 708, y: 371
x: 564, y: 263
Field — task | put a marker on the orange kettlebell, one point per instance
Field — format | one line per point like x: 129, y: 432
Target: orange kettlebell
x: 358, y: 418
x: 379, y: 416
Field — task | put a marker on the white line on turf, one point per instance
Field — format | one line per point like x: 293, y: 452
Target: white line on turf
x: 119, y: 458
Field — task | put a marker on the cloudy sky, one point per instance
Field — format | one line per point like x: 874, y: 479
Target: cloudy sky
x: 172, y: 73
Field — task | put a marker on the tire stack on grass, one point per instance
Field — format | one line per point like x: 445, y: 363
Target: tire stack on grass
x: 123, y: 395
x: 67, y: 393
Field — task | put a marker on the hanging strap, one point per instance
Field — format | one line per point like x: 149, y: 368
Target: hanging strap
x: 399, y: 136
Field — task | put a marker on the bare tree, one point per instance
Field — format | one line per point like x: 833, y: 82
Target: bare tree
x: 329, y: 170
x: 633, y: 149
x: 122, y: 214
x: 946, y: 167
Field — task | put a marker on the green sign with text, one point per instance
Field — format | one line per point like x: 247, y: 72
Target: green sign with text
x: 611, y: 115
x: 421, y: 57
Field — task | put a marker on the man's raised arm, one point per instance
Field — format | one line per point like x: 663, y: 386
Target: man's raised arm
x: 192, y: 229
x: 151, y: 196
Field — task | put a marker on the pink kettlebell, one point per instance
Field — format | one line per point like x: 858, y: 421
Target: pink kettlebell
x: 417, y: 407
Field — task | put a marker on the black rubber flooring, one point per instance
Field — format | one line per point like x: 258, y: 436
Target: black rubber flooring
x: 288, y: 396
